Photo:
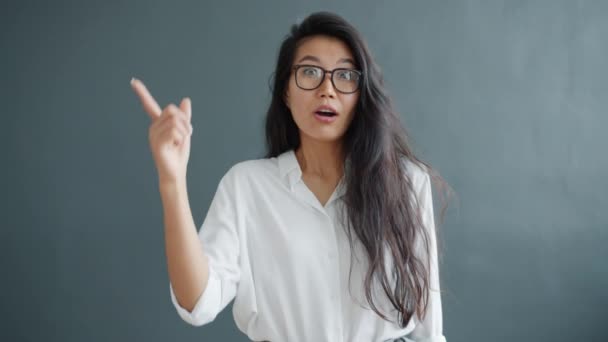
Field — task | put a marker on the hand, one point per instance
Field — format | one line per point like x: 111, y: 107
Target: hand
x: 169, y: 134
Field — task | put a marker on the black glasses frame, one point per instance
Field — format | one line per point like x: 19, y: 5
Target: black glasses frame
x: 331, y: 72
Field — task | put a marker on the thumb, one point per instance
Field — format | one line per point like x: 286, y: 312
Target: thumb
x: 186, y: 106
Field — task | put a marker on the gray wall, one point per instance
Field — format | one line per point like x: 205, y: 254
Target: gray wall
x: 507, y: 99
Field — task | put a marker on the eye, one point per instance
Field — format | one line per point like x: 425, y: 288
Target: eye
x: 311, y: 71
x: 347, y: 75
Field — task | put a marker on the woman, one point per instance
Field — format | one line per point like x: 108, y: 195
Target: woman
x: 305, y: 239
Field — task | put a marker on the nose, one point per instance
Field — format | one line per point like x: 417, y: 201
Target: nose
x: 327, y: 88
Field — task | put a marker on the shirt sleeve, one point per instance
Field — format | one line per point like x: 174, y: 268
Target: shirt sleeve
x: 220, y: 241
x: 430, y: 328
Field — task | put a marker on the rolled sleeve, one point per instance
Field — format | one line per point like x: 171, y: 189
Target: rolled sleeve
x: 430, y: 328
x: 207, y: 306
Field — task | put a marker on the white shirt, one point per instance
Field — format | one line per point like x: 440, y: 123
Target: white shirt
x: 284, y: 259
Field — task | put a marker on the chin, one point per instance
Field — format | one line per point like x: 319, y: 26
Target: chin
x: 325, y: 137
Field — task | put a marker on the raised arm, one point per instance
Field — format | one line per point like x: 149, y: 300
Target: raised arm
x: 169, y: 137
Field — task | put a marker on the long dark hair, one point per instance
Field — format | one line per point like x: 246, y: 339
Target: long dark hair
x: 377, y: 197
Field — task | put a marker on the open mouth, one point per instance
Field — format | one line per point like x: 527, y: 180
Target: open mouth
x: 326, y: 113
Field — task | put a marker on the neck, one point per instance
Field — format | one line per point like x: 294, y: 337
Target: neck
x: 321, y: 159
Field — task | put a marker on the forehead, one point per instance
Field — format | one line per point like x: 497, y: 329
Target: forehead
x: 328, y: 50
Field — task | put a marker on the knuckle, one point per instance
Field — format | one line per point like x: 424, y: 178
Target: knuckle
x: 170, y: 110
x: 177, y: 131
x: 177, y: 135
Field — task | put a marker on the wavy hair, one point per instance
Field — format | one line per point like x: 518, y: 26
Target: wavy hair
x: 378, y: 190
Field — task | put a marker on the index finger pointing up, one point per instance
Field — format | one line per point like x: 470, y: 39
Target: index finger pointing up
x: 149, y: 103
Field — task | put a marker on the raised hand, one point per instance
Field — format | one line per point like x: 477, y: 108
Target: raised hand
x: 169, y: 134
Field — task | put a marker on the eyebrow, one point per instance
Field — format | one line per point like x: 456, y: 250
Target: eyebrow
x: 315, y: 59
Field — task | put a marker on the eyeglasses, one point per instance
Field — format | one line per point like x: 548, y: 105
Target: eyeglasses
x: 309, y: 77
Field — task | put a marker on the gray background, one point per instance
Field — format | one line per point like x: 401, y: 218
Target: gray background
x: 507, y: 99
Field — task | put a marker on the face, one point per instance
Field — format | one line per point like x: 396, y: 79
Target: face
x: 328, y: 53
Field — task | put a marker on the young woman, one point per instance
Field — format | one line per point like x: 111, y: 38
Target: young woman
x: 331, y: 237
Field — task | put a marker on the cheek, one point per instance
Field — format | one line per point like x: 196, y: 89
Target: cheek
x: 351, y: 104
x: 294, y: 97
x: 299, y: 102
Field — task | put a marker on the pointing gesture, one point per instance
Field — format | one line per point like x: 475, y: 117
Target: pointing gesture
x: 169, y: 134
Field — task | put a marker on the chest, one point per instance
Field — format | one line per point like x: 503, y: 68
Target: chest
x: 322, y: 189
x: 298, y: 250
x: 292, y: 236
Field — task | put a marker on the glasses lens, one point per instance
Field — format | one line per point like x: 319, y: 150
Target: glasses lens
x: 309, y: 77
x: 346, y: 81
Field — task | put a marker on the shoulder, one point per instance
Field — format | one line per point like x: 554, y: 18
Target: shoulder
x: 250, y: 170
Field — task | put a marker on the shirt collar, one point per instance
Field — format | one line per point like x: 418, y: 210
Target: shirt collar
x: 289, y: 168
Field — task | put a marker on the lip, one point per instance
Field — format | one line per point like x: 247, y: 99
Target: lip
x: 325, y: 119
x: 327, y: 107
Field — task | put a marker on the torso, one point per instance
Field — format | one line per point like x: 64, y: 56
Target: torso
x: 278, y: 241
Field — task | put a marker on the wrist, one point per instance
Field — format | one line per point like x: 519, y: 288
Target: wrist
x: 171, y: 183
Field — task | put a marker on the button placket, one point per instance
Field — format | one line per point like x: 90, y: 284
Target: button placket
x: 334, y: 262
